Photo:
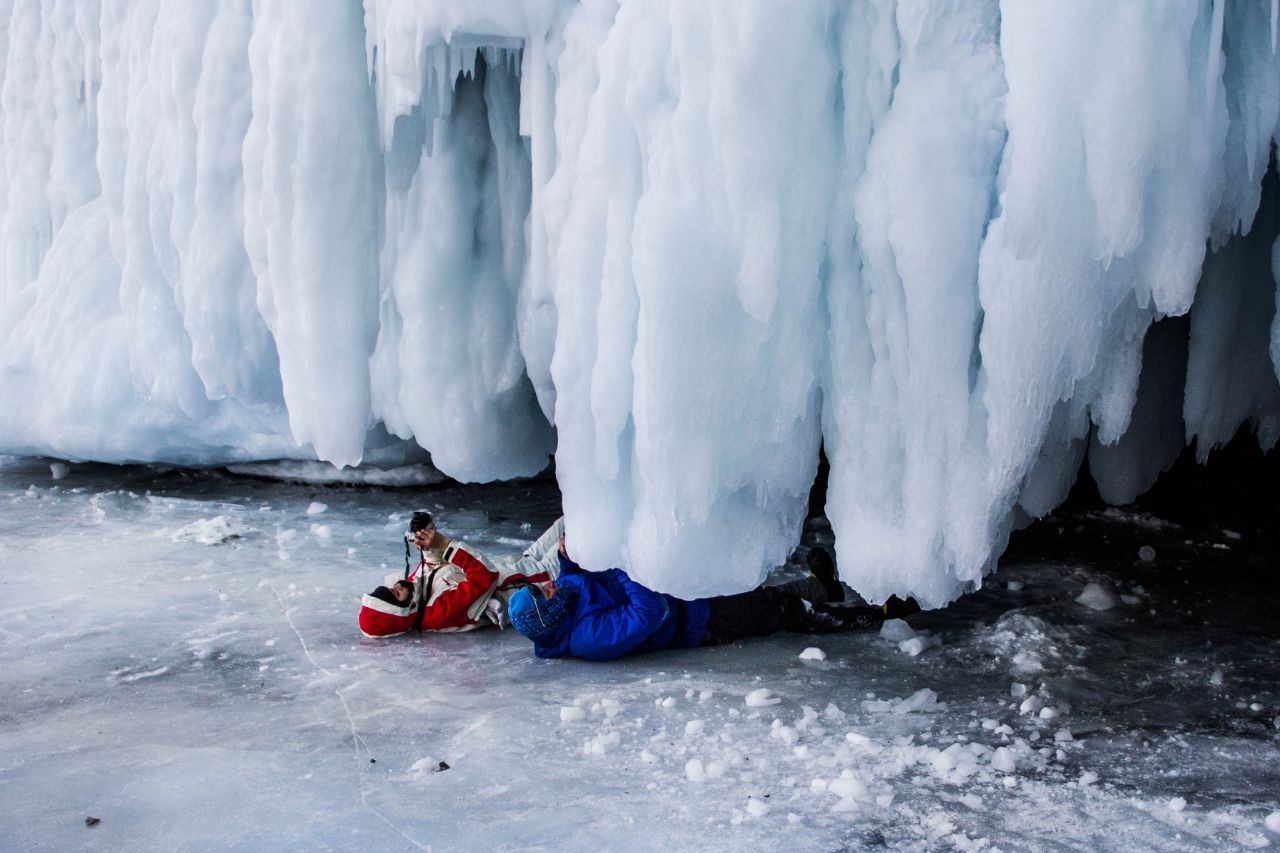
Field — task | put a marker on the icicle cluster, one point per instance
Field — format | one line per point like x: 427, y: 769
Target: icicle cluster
x: 964, y: 246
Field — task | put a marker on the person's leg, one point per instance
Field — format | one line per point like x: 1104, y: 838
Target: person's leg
x: 769, y: 609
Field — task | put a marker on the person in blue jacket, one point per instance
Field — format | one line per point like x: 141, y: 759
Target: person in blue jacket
x: 606, y: 615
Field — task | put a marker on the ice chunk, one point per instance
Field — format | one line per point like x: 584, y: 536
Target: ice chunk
x: 694, y: 771
x: 813, y: 653
x: 1002, y: 759
x: 316, y: 508
x: 1146, y: 553
x: 572, y: 714
x: 1097, y: 597
x: 761, y: 697
x: 919, y: 644
x: 757, y: 808
x: 1272, y: 821
x: 923, y: 700
x: 896, y: 630
x: 58, y: 470
x: 1177, y: 804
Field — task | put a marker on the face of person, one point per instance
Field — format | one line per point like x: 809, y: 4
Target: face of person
x: 402, y: 591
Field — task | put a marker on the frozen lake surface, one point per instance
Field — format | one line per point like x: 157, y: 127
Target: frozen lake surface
x: 179, y: 659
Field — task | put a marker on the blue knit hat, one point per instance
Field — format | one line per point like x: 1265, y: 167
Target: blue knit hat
x: 535, y: 616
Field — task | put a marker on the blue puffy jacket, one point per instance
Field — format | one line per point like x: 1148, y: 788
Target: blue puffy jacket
x: 615, y: 616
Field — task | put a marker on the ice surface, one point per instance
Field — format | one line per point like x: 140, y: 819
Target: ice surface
x: 212, y: 691
x: 964, y: 247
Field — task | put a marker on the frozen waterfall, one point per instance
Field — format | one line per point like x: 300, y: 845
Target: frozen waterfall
x: 969, y: 248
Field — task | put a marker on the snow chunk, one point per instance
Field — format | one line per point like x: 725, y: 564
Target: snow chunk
x: 572, y: 714
x: 1177, y: 804
x: 757, y: 808
x: 1097, y: 597
x: 694, y: 771
x: 761, y: 697
x: 813, y: 653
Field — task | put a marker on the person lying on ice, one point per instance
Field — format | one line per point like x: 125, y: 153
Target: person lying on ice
x: 453, y: 587
x: 606, y: 615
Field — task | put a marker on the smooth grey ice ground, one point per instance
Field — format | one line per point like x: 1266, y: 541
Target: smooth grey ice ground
x: 179, y: 658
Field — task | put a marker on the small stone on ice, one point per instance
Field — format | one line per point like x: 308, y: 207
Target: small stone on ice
x: 1097, y: 597
x: 571, y: 714
x: 813, y: 653
x: 1177, y: 804
x: 1146, y: 553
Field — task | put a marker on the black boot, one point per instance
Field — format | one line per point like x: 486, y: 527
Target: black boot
x: 822, y: 567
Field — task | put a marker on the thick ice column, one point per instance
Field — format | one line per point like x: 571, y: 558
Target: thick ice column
x: 903, y: 420
x: 448, y: 369
x: 1108, y: 184
x: 686, y: 281
x: 47, y: 133
x: 313, y: 175
x: 1230, y: 375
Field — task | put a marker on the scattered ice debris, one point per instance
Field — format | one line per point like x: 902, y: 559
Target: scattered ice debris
x: 1097, y: 597
x: 211, y: 531
x: 572, y: 714
x: 761, y: 697
x: 58, y: 470
x: 316, y: 508
x: 1177, y: 804
x: 694, y: 771
x: 813, y: 653
x: 923, y: 700
x: 896, y: 630
x: 1015, y: 586
x: 601, y: 743
x: 1146, y: 553
x: 1272, y: 821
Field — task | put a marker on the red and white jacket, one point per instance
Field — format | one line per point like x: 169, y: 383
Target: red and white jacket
x: 459, y: 589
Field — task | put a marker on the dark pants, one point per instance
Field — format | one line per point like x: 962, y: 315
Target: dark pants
x: 799, y: 607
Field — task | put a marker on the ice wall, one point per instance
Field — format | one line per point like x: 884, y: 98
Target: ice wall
x: 967, y: 247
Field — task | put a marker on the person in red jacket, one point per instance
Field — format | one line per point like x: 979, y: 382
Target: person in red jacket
x: 453, y: 587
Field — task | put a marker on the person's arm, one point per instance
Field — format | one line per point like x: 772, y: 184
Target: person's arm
x: 450, y: 608
x: 613, y: 633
